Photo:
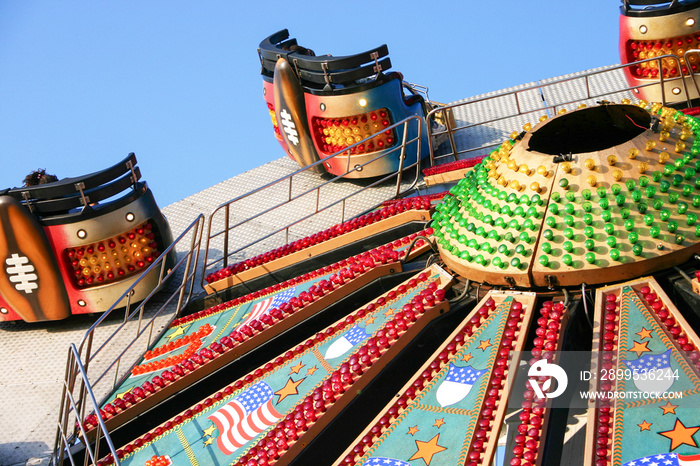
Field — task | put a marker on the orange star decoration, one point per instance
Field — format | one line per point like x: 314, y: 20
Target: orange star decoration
x: 669, y: 408
x: 644, y: 333
x: 439, y: 422
x: 370, y: 320
x: 467, y: 357
x: 484, y: 344
x: 426, y: 450
x: 413, y: 430
x: 296, y: 369
x: 311, y: 370
x: 290, y: 388
x: 681, y: 435
x: 389, y: 312
x: 644, y: 426
x: 640, y: 348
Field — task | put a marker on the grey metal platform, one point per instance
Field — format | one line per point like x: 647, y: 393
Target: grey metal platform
x: 34, y: 355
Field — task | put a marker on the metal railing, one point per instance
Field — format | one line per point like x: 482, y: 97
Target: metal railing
x: 517, y: 100
x: 133, y: 335
x: 223, y: 222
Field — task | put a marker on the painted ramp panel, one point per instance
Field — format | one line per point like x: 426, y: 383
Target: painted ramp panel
x: 272, y: 413
x: 196, y: 345
x: 648, y: 367
x: 453, y: 408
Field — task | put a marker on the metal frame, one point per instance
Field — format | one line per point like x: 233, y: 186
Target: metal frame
x: 225, y: 210
x: 79, y: 389
x: 449, y: 132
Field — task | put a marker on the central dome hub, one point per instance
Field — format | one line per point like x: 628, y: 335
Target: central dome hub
x: 590, y: 129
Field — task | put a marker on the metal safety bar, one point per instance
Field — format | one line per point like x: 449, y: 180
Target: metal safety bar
x: 134, y: 335
x: 225, y: 223
x: 519, y: 105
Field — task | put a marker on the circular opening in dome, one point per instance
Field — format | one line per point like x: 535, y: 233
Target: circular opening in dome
x: 590, y: 129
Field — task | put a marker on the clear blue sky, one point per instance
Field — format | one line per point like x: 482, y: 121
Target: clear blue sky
x: 83, y: 83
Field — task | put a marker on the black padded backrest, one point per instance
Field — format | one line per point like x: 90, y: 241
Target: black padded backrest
x: 72, y: 193
x: 642, y: 8
x: 315, y: 71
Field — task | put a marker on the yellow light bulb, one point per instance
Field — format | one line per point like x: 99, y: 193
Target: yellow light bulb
x: 542, y: 170
x: 535, y: 186
x: 527, y: 126
x: 591, y: 180
x: 680, y: 147
x: 663, y: 135
x: 617, y: 174
x: 633, y: 153
x: 663, y: 157
x: 502, y: 181
x: 590, y: 164
x: 612, y: 159
x: 566, y: 167
x: 515, y: 185
x: 524, y: 169
x: 650, y: 145
x: 543, y: 118
x: 642, y: 167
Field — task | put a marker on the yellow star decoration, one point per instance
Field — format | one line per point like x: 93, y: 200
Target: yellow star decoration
x: 177, y: 333
x: 413, y: 430
x: 426, y: 450
x: 439, y: 422
x: 209, y: 431
x: 644, y: 333
x: 484, y: 344
x: 290, y: 388
x: 669, y: 408
x: 121, y: 395
x: 296, y: 369
x: 644, y: 426
x: 681, y: 435
x: 311, y: 370
x: 640, y: 348
x: 467, y: 357
x: 208, y: 442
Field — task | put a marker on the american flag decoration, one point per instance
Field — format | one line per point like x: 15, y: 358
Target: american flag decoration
x: 263, y: 307
x: 385, y: 462
x: 457, y: 384
x: 666, y: 459
x: 659, y: 366
x: 243, y: 418
x: 341, y: 346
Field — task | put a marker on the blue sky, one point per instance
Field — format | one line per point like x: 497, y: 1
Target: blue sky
x: 83, y: 83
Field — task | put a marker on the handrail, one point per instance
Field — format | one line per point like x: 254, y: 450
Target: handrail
x: 226, y: 209
x: 63, y: 442
x: 516, y: 96
x: 73, y: 401
x: 690, y: 70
